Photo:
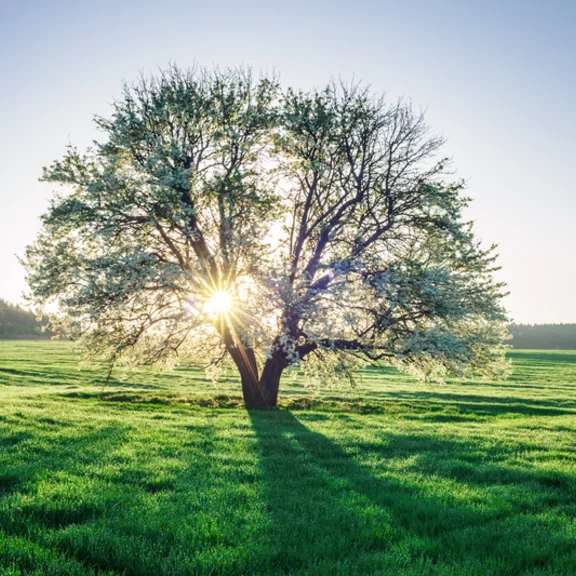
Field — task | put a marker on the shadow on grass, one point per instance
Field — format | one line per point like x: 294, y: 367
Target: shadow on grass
x: 543, y: 356
x: 50, y: 456
x: 51, y: 377
x: 278, y: 497
x: 331, y: 511
x: 120, y: 500
x: 430, y: 406
x: 488, y: 405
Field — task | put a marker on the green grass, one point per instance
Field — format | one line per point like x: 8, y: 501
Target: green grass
x: 165, y: 474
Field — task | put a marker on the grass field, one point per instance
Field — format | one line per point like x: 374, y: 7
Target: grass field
x: 164, y: 474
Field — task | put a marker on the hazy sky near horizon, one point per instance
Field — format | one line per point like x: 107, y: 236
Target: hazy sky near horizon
x: 497, y: 78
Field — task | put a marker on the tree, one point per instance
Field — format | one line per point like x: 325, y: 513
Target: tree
x: 15, y: 321
x: 226, y: 217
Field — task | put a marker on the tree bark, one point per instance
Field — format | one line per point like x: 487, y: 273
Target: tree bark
x: 258, y: 392
x: 252, y: 392
x: 270, y: 378
x: 245, y: 361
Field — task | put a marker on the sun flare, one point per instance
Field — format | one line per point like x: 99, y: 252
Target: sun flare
x: 219, y: 303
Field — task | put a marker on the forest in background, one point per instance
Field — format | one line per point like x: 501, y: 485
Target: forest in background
x: 17, y: 322
x: 543, y: 336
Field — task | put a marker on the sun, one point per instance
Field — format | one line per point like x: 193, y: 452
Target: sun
x: 219, y: 303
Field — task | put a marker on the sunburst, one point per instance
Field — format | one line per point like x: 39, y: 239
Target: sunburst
x: 219, y: 303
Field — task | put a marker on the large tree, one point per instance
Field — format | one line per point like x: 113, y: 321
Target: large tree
x: 226, y: 217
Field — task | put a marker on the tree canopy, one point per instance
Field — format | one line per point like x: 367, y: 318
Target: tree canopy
x: 227, y: 217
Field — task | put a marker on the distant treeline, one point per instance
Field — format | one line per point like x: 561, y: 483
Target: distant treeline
x: 16, y: 322
x: 543, y: 336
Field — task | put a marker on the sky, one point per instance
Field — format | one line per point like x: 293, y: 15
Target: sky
x: 496, y: 78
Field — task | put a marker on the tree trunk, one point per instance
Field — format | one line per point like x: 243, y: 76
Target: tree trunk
x: 245, y: 361
x: 262, y: 392
x: 252, y: 393
x: 270, y: 378
x: 258, y: 392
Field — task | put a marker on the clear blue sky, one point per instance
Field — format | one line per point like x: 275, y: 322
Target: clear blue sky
x: 497, y: 77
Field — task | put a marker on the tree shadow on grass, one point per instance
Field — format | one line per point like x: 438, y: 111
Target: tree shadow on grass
x: 333, y: 514
x: 277, y: 497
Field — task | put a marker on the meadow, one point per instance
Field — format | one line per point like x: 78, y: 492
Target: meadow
x: 165, y: 474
